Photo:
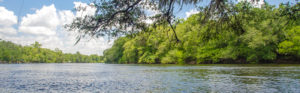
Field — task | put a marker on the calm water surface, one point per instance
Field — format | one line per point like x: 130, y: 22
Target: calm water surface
x: 113, y: 78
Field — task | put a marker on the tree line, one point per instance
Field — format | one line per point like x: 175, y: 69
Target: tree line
x: 14, y: 53
x: 249, y: 35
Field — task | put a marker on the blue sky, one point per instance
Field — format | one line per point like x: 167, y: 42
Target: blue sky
x: 26, y: 21
x: 28, y: 6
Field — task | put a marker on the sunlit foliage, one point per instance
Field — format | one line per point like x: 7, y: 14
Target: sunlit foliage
x: 251, y: 35
x: 13, y: 53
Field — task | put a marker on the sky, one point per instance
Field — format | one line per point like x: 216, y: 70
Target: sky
x: 26, y: 21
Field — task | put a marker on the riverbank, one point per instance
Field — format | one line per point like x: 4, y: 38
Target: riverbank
x: 278, y: 61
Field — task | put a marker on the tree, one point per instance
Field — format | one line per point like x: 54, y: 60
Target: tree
x: 252, y: 35
x: 13, y: 53
x: 119, y: 17
x: 291, y: 45
x: 36, y: 45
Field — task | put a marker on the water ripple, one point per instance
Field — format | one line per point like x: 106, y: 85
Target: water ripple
x: 106, y: 78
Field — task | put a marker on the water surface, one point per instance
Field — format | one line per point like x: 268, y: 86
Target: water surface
x: 115, y: 78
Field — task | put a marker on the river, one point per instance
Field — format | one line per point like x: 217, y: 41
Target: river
x: 116, y: 78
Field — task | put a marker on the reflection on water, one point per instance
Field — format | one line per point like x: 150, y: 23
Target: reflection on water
x: 148, y: 78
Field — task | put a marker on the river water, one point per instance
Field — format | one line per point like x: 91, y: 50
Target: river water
x: 116, y: 78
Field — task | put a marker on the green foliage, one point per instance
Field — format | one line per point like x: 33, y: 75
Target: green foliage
x: 252, y: 35
x: 173, y: 57
x: 291, y: 46
x: 115, y: 53
x: 147, y: 57
x: 13, y: 53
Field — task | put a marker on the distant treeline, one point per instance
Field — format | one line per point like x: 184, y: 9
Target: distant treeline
x: 14, y: 53
x: 252, y: 35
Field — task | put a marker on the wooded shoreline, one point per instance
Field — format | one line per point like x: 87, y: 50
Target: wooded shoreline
x: 252, y: 35
x: 34, y: 53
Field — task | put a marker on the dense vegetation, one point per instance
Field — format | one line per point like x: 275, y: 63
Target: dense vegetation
x: 251, y: 35
x: 13, y: 53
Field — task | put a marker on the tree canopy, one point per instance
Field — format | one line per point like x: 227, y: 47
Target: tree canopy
x: 224, y: 31
x: 13, y: 53
x: 122, y: 17
x: 252, y: 35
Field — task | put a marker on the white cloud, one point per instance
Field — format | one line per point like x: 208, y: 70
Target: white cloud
x: 149, y: 21
x: 7, y: 16
x: 255, y: 3
x: 7, y: 20
x: 8, y: 30
x: 43, y: 22
x: 1, y: 0
x: 46, y: 27
x: 191, y: 12
x: 84, y: 9
x: 66, y: 17
x: 150, y: 13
